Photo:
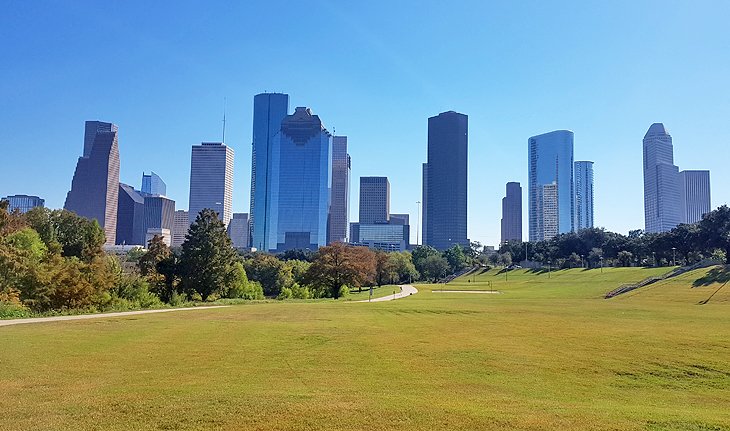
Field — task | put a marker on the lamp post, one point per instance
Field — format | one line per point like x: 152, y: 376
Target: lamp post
x: 601, y: 259
x: 674, y: 256
x: 548, y: 269
x: 653, y: 258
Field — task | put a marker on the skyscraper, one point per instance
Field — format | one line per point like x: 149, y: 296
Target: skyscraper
x: 300, y: 192
x: 152, y: 184
x: 269, y: 109
x: 374, y: 200
x: 445, y: 181
x: 662, y: 192
x: 159, y: 213
x: 512, y: 213
x: 238, y: 230
x: 550, y: 185
x: 340, y: 205
x: 23, y: 203
x: 95, y: 186
x: 695, y: 195
x: 180, y: 226
x: 130, y: 216
x: 211, y: 180
x: 583, y: 182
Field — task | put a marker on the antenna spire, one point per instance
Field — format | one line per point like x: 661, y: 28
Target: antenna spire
x: 224, y: 120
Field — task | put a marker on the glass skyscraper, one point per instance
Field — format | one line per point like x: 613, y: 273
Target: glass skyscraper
x: 662, y: 191
x: 269, y: 109
x: 23, y: 203
x: 152, y: 184
x: 211, y: 180
x: 130, y: 217
x: 180, y: 226
x: 238, y: 230
x: 583, y: 171
x: 340, y: 195
x: 445, y: 181
x: 300, y: 191
x: 695, y: 195
x: 512, y: 213
x: 94, y: 190
x: 374, y: 200
x: 550, y: 185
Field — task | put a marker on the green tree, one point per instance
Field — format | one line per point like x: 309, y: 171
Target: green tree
x: 715, y: 230
x: 241, y: 287
x: 403, y: 266
x: 384, y: 269
x: 456, y: 258
x: 435, y: 267
x: 272, y: 273
x: 157, y: 251
x: 624, y: 257
x: 419, y: 256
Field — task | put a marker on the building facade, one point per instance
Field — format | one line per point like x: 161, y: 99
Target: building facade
x: 662, y: 191
x: 445, y: 181
x: 94, y: 190
x: 269, y: 109
x: 152, y: 184
x: 211, y: 180
x: 130, y: 217
x: 511, y: 222
x: 374, y: 200
x: 386, y: 237
x: 180, y: 226
x: 550, y: 185
x: 695, y: 195
x: 23, y: 203
x: 340, y: 205
x: 583, y: 183
x: 159, y: 213
x: 238, y: 230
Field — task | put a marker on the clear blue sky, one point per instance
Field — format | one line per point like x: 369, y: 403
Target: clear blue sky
x: 375, y: 71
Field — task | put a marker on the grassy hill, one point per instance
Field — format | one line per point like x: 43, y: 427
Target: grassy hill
x: 547, y: 353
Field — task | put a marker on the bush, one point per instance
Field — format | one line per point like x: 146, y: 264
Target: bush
x: 344, y: 291
x: 13, y: 311
x: 241, y: 287
x: 300, y: 292
x: 285, y: 293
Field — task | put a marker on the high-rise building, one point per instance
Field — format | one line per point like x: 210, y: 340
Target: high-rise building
x: 95, y: 185
x: 300, y: 192
x: 550, y: 164
x: 152, y: 184
x: 662, y: 191
x: 445, y: 181
x: 374, y: 200
x: 340, y: 205
x: 512, y: 213
x: 380, y: 236
x: 130, y: 217
x: 211, y: 180
x: 180, y: 226
x: 583, y: 182
x: 269, y: 109
x: 159, y: 213
x: 23, y: 203
x: 238, y: 230
x: 695, y: 195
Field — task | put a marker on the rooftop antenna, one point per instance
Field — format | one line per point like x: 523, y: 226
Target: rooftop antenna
x: 224, y: 121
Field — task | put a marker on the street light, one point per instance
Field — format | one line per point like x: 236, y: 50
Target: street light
x: 653, y: 256
x: 548, y: 269
x: 601, y: 259
x: 674, y: 260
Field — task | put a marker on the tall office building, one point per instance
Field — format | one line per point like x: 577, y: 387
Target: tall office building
x: 95, y: 186
x: 269, y: 109
x: 550, y: 185
x: 662, y: 191
x: 180, y: 226
x: 152, y: 184
x: 374, y: 200
x: 695, y: 195
x: 211, y: 180
x: 340, y: 205
x: 23, y: 203
x: 130, y: 216
x: 512, y: 213
x: 583, y: 182
x: 159, y: 213
x: 238, y: 230
x: 300, y: 191
x: 445, y: 181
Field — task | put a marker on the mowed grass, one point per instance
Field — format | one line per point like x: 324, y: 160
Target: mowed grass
x: 543, y: 355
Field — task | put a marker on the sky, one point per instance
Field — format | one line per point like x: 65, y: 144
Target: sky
x: 373, y: 71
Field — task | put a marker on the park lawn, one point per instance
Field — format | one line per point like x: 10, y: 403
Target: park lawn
x: 528, y: 359
x: 378, y: 292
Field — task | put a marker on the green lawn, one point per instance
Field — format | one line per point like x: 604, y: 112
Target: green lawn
x: 378, y: 292
x: 546, y: 354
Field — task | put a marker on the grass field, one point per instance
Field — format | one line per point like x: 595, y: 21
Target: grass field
x: 546, y: 354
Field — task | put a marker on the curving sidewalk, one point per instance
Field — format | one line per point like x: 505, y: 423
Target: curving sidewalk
x: 405, y: 290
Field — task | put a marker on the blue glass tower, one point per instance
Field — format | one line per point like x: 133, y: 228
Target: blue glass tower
x: 152, y: 184
x: 551, y: 198
x: 269, y: 109
x: 299, y: 192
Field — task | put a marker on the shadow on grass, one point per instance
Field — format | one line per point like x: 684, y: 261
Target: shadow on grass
x: 720, y: 274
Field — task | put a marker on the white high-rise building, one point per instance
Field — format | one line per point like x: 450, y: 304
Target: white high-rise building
x: 180, y: 226
x: 583, y: 182
x: 662, y: 196
x: 695, y: 193
x: 211, y: 180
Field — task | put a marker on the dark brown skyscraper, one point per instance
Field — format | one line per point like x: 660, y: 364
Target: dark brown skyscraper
x: 95, y: 186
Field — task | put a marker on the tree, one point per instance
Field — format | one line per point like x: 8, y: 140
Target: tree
x: 624, y: 257
x: 241, y: 287
x: 420, y: 254
x: 157, y: 251
x: 339, y: 265
x: 435, y: 267
x: 208, y: 257
x: 715, y: 230
x: 273, y: 274
x: 455, y: 257
x: 384, y: 269
x: 9, y: 221
x: 403, y: 266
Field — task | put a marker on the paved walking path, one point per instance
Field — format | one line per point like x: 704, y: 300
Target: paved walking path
x: 99, y: 316
x: 405, y: 290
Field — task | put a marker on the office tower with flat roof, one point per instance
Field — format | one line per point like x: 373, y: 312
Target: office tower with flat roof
x: 511, y: 222
x: 340, y: 205
x: 130, y: 216
x: 269, y: 109
x: 238, y: 230
x: 583, y: 182
x: 300, y: 192
x: 695, y: 195
x: 662, y: 191
x: 374, y: 200
x: 23, y: 203
x: 211, y: 180
x: 180, y: 226
x: 159, y: 213
x: 445, y: 181
x: 550, y: 209
x: 95, y: 186
x: 152, y: 184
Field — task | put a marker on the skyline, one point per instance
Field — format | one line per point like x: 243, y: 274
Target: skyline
x: 610, y: 86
